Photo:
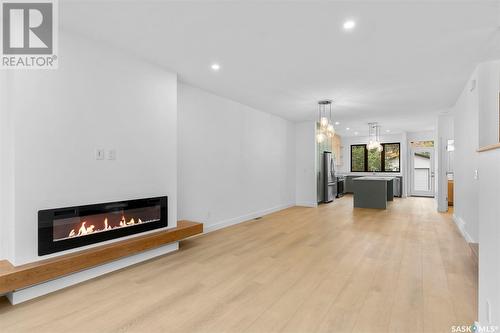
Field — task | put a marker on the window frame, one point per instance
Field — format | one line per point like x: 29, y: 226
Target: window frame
x: 365, y: 156
x: 382, y: 157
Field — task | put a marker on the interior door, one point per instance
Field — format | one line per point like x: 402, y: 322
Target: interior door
x: 422, y: 172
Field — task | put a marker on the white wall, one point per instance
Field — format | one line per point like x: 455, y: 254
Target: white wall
x: 235, y: 162
x: 305, y: 152
x: 477, y: 208
x: 98, y: 98
x: 6, y: 172
x: 489, y: 237
x: 466, y: 188
x: 489, y: 194
x: 404, y: 164
x: 488, y: 90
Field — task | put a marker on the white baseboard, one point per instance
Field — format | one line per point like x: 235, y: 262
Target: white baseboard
x: 461, y: 227
x: 244, y: 218
x: 41, y: 289
x: 307, y: 204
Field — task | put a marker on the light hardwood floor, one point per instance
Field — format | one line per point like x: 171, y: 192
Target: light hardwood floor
x: 325, y: 269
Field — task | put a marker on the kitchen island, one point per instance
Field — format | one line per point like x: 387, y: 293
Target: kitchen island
x: 373, y: 191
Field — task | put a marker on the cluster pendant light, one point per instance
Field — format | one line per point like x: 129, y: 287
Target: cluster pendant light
x: 326, y: 129
x: 374, y: 137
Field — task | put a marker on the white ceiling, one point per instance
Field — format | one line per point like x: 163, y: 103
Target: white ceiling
x: 403, y: 63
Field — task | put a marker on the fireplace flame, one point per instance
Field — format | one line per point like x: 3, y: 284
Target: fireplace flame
x: 84, y: 230
x: 106, y: 226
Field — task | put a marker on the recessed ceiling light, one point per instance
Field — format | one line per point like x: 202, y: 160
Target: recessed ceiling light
x: 215, y: 67
x: 337, y: 123
x: 387, y: 131
x: 356, y: 133
x: 349, y: 25
x: 347, y: 129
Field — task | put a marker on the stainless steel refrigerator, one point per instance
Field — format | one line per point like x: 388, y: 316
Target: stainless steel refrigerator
x: 328, y: 178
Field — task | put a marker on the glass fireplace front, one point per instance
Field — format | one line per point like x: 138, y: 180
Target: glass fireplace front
x: 66, y: 228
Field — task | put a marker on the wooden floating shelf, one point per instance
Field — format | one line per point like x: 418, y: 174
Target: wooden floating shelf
x: 490, y: 147
x: 18, y: 277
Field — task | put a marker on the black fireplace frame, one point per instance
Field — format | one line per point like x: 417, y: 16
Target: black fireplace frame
x: 46, y: 244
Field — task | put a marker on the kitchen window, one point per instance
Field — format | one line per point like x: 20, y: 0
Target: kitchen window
x: 387, y: 160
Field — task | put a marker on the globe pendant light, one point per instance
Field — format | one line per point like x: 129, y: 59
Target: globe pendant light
x: 374, y: 137
x: 326, y: 128
x: 320, y: 137
x: 323, y: 122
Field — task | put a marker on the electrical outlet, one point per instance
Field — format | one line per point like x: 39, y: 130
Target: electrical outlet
x: 112, y: 154
x: 99, y: 154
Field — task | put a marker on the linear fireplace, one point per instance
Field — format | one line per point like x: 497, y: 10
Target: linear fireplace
x: 70, y: 227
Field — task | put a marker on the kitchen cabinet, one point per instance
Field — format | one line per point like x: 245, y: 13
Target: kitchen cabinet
x: 337, y: 150
x: 373, y: 191
x: 349, y: 188
x: 398, y: 184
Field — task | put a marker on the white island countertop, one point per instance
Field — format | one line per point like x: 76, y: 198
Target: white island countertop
x: 374, y: 178
x: 377, y: 174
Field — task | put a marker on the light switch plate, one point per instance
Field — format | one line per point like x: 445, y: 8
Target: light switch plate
x: 476, y: 174
x: 99, y: 154
x: 112, y: 154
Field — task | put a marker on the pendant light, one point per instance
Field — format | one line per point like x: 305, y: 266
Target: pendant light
x: 325, y: 121
x: 374, y: 137
x: 320, y: 137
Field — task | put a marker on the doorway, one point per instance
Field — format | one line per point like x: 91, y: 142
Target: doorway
x: 422, y: 171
